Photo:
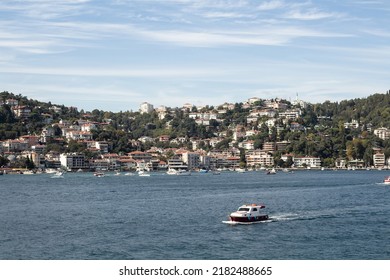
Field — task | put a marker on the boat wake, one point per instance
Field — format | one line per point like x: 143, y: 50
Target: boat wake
x: 303, y: 216
x: 285, y: 217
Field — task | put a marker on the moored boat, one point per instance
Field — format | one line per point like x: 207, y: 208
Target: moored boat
x: 387, y: 180
x: 248, y: 213
x: 183, y: 173
x: 99, y: 174
x: 172, y: 171
x: 58, y: 174
x: 143, y: 173
x: 271, y: 172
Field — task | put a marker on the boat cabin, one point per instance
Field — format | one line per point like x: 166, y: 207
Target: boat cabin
x: 250, y: 208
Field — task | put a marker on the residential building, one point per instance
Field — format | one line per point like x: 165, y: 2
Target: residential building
x: 247, y: 145
x: 253, y: 100
x: 21, y: 111
x: 282, y: 146
x: 177, y: 163
x: 290, y: 114
x: 233, y: 162
x: 73, y: 161
x: 383, y: 133
x: 15, y: 145
x: 102, y: 146
x: 354, y: 124
x: 164, y: 138
x: 269, y: 146
x: 312, y: 162
x: 146, y: 108
x: 192, y: 160
x: 259, y: 158
x: 205, y: 161
x: 78, y: 135
x: 379, y: 160
x: 140, y: 156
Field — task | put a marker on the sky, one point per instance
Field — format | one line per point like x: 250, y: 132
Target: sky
x: 114, y: 55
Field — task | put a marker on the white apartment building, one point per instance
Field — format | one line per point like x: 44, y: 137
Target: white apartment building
x: 312, y: 162
x: 379, y: 160
x: 290, y: 114
x: 259, y: 158
x: 383, y: 133
x: 354, y: 124
x: 72, y: 161
x: 146, y: 108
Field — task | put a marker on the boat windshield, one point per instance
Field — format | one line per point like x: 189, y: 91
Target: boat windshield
x: 243, y: 209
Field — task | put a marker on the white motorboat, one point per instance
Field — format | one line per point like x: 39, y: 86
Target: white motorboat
x: 248, y: 213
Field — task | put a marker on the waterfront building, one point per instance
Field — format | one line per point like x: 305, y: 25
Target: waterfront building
x: 138, y: 155
x: 192, y: 160
x: 73, y: 161
x: 177, y: 163
x: 379, y: 160
x: 312, y: 162
x: 259, y: 158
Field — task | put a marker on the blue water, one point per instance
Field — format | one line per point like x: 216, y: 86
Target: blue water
x: 314, y: 215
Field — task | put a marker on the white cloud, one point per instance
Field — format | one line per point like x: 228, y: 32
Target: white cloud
x: 271, y: 5
x: 311, y: 14
x: 112, y: 72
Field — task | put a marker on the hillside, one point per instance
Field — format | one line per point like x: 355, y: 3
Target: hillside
x: 329, y: 130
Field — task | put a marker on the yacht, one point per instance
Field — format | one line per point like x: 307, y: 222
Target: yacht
x: 248, y: 213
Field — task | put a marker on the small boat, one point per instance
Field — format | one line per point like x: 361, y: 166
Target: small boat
x: 129, y: 174
x: 143, y: 174
x: 57, y: 175
x: 203, y: 171
x: 248, y: 213
x: 387, y: 180
x: 271, y: 172
x: 99, y: 174
x: 183, y: 173
x: 172, y: 171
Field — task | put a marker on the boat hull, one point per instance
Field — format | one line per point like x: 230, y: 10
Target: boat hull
x: 250, y: 219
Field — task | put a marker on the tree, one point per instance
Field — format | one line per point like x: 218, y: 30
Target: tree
x: 29, y: 163
x: 242, y: 158
x: 3, y: 161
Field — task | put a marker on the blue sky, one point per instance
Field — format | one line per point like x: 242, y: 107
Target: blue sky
x: 114, y: 55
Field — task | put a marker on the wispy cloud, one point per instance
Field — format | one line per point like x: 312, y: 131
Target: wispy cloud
x: 111, y: 72
x: 45, y: 9
x: 377, y: 32
x: 271, y: 5
x: 177, y: 49
x: 311, y: 14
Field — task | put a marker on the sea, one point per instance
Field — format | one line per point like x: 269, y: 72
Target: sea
x: 314, y: 215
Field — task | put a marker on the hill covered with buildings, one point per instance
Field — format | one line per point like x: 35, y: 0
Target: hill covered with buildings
x: 254, y: 133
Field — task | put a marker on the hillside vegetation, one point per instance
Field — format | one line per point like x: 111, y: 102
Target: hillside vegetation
x: 322, y: 127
